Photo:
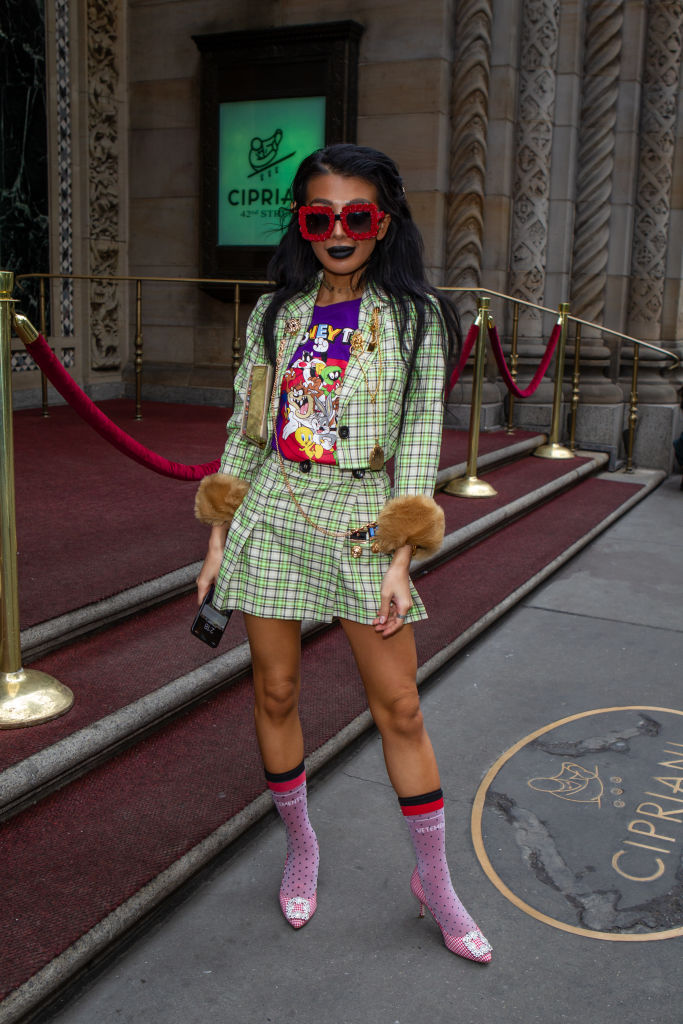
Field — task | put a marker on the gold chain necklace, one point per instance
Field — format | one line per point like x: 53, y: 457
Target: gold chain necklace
x: 376, y: 458
x: 292, y: 327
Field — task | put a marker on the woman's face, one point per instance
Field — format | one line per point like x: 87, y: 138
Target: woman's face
x: 340, y: 254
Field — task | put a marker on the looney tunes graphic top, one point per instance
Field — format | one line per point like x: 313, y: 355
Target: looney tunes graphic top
x: 309, y: 399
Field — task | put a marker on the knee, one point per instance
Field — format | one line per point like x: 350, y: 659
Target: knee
x: 403, y: 717
x: 276, y: 697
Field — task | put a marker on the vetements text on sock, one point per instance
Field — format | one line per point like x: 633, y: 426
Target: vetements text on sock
x: 290, y: 803
x: 430, y: 828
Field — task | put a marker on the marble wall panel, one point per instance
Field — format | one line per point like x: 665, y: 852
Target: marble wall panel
x: 24, y: 244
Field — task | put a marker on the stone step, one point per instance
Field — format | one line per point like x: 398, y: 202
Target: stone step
x: 55, y: 765
x: 38, y: 640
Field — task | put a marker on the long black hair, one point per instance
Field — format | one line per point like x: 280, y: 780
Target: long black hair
x: 396, y: 266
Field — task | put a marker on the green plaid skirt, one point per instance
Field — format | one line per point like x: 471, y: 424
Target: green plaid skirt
x: 277, y: 566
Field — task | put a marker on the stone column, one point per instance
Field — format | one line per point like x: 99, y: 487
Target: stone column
x: 653, y: 238
x: 594, y: 186
x: 106, y: 180
x: 467, y: 172
x: 467, y: 161
x: 531, y: 187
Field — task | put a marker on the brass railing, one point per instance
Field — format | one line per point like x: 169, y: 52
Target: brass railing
x: 138, y: 341
x: 565, y: 318
x: 28, y: 696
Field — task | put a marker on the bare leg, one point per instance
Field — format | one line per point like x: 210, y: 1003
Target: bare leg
x: 276, y: 656
x: 388, y: 668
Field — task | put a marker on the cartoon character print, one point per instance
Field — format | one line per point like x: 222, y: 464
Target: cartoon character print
x: 310, y: 392
x: 307, y: 443
x: 324, y: 421
x: 300, y: 406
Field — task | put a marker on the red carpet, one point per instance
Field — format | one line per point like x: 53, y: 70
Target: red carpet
x: 109, y: 670
x: 82, y: 851
x: 90, y: 522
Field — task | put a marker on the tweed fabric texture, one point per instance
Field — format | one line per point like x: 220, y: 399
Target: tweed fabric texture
x: 275, y: 564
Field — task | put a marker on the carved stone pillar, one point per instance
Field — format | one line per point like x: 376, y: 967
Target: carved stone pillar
x: 652, y: 222
x: 467, y: 167
x: 531, y: 188
x: 106, y: 215
x: 594, y: 182
x: 469, y: 121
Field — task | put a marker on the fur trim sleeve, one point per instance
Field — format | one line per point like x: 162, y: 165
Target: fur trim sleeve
x: 218, y: 498
x: 411, y: 519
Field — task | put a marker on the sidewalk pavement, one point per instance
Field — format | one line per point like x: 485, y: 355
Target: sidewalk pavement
x: 606, y: 630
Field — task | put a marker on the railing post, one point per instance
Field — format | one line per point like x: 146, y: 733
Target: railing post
x: 553, y: 449
x: 632, y: 410
x: 470, y: 486
x: 138, y: 349
x: 514, y: 359
x: 26, y: 695
x: 43, y: 331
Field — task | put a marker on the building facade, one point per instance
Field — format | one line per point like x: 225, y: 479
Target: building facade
x: 540, y: 142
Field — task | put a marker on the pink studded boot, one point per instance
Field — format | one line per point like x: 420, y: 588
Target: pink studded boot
x: 298, y: 891
x: 431, y: 881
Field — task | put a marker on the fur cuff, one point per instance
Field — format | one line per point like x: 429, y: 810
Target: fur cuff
x: 218, y: 498
x: 411, y: 519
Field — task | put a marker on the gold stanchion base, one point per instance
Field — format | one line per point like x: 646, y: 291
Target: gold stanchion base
x: 554, y: 451
x: 470, y: 487
x: 28, y: 697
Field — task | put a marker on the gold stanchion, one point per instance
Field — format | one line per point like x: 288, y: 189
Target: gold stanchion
x: 632, y: 410
x: 43, y: 331
x: 138, y: 350
x: 26, y: 695
x: 470, y: 486
x: 553, y: 449
x: 514, y: 359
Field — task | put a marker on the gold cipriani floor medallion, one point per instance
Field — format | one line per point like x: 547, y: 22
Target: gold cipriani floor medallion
x: 580, y: 824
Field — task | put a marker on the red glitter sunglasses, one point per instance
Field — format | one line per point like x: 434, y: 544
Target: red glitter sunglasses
x: 359, y: 221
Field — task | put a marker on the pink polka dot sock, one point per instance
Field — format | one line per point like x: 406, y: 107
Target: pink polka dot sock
x: 431, y: 881
x: 298, y: 891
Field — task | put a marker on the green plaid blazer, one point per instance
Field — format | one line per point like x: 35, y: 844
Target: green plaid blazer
x: 416, y: 450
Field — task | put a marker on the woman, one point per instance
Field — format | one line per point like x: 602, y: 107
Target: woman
x: 304, y: 527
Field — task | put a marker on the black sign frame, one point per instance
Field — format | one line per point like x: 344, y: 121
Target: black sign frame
x: 301, y: 60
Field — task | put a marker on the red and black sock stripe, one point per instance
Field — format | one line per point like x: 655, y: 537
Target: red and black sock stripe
x: 283, y: 782
x: 425, y: 803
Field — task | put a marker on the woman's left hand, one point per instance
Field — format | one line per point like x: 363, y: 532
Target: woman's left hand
x: 396, y: 601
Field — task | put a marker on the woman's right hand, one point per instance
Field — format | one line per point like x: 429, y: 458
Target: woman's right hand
x: 208, y: 573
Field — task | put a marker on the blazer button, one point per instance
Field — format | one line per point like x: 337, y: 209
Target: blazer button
x: 344, y: 432
x: 305, y: 466
x: 358, y: 473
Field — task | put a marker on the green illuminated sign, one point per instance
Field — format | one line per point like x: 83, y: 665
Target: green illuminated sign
x: 261, y: 144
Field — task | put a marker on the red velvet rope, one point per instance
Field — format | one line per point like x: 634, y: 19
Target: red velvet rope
x: 467, y: 347
x: 540, y: 372
x: 68, y: 388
